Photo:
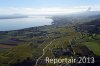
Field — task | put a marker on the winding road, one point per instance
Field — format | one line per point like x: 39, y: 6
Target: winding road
x: 43, y: 52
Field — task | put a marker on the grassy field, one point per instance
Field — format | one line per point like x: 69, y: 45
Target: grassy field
x: 34, y: 45
x: 94, y: 46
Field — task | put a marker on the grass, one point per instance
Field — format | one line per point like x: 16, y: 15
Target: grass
x: 25, y: 50
x: 94, y: 46
x: 98, y: 36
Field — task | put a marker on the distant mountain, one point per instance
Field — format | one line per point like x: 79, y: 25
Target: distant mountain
x: 87, y: 13
x: 13, y: 16
x: 76, y: 18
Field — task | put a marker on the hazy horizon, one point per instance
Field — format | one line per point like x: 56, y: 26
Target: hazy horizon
x: 37, y: 7
x: 21, y: 23
x: 18, y: 13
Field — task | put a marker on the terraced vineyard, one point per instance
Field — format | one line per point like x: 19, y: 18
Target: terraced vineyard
x: 35, y: 44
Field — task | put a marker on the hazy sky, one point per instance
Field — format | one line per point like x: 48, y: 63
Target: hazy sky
x: 46, y: 6
x: 47, y: 3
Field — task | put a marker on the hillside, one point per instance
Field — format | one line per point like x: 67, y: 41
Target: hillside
x: 63, y: 39
x: 77, y: 18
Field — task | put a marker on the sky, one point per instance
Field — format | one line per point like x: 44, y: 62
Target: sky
x: 47, y: 6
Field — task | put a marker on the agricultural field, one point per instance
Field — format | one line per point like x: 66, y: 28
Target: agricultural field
x: 37, y: 43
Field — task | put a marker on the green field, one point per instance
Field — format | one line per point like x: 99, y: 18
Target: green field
x: 94, y: 46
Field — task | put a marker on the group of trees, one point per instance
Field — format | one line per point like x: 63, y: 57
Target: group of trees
x: 26, y: 62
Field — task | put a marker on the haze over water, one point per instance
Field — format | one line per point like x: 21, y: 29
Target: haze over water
x: 21, y: 23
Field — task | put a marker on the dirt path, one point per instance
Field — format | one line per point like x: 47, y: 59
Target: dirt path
x: 43, y: 52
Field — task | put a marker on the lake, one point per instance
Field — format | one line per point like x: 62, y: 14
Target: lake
x: 21, y: 23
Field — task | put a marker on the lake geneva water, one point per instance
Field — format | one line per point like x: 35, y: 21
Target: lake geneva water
x: 21, y: 23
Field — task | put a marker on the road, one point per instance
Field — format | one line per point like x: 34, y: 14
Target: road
x: 43, y: 52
